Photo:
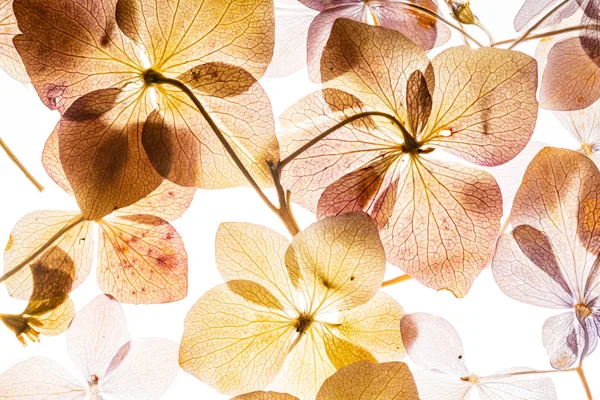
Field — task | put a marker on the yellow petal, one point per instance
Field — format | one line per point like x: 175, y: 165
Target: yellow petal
x: 337, y: 263
x: 375, y: 326
x: 255, y: 253
x: 236, y: 338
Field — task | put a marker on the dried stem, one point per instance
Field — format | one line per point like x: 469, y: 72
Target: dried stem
x: 538, y: 23
x: 401, y: 278
x: 437, y: 16
x: 407, y: 137
x: 31, y: 257
x: 283, y: 211
x: 544, y: 34
x: 584, y: 381
x: 15, y: 160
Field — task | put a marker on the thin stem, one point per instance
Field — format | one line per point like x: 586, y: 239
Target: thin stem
x: 538, y: 23
x: 535, y: 372
x: 435, y: 15
x: 410, y: 141
x: 181, y: 86
x: 14, y: 159
x: 584, y: 382
x: 70, y: 225
x: 401, y: 278
x: 545, y: 34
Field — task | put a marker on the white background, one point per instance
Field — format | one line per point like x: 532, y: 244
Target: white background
x: 497, y: 332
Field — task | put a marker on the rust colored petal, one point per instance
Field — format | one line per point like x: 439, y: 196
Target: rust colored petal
x: 444, y: 223
x: 142, y: 260
x: 72, y: 49
x: 100, y: 149
x: 344, y: 150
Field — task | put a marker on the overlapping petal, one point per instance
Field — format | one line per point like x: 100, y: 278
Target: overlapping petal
x: 419, y: 27
x: 302, y: 311
x: 377, y: 151
x: 364, y: 380
x: 550, y: 258
x: 338, y: 263
x: 182, y: 145
x: 179, y: 35
x: 60, y: 267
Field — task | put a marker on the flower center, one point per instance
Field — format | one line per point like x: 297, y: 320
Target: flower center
x: 473, y: 379
x: 94, y: 389
x: 152, y: 77
x: 583, y: 311
x: 587, y: 148
x: 303, y: 322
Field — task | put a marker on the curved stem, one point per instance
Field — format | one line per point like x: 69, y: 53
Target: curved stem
x: 437, y: 16
x: 538, y: 23
x: 283, y: 211
x: 410, y: 141
x: 544, y: 34
x: 584, y: 382
x: 14, y: 159
x: 401, y: 278
x: 70, y: 225
x: 181, y: 86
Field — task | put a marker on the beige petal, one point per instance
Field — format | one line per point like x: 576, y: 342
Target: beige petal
x: 61, y: 267
x: 368, y: 381
x: 485, y: 100
x: 337, y: 263
x: 254, y: 253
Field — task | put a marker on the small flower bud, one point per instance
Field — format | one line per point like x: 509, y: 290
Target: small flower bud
x: 461, y: 11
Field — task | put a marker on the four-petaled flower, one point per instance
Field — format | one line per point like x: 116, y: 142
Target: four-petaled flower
x: 290, y: 315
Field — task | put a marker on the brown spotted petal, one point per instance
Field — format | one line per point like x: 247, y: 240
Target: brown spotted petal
x: 182, y: 145
x: 142, y: 260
